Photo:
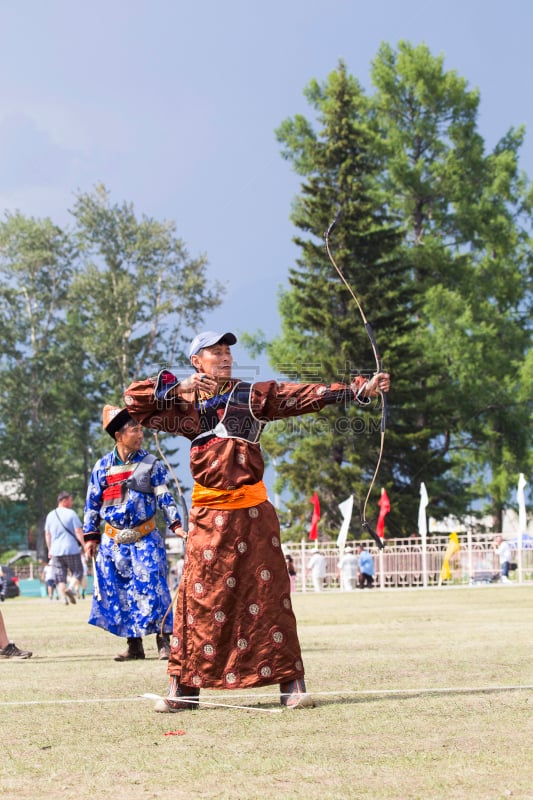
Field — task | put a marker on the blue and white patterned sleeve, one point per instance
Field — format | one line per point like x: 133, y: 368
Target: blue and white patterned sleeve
x: 93, y: 504
x: 164, y: 498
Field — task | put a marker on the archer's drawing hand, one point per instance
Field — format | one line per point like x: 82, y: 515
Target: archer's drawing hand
x: 199, y: 381
x: 378, y: 383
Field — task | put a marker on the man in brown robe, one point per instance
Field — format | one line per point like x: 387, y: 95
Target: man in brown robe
x: 234, y: 627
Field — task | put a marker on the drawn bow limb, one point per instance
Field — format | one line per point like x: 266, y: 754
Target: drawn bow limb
x: 379, y: 368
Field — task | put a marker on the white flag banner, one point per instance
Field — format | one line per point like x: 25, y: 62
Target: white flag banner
x: 346, y: 509
x: 521, y: 499
x: 422, y: 519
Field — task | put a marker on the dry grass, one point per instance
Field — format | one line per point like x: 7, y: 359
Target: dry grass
x: 413, y: 690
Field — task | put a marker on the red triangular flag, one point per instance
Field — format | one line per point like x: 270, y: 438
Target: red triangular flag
x: 313, y: 530
x: 384, y: 508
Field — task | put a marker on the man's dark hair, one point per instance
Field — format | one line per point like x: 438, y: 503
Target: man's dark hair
x: 63, y: 496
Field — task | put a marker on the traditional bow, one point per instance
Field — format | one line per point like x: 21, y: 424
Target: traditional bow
x: 184, y: 521
x: 181, y: 498
x: 364, y: 524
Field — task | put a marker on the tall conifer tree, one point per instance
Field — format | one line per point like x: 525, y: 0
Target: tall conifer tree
x: 323, y: 334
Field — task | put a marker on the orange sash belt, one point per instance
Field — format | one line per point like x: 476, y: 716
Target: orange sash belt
x: 244, y: 497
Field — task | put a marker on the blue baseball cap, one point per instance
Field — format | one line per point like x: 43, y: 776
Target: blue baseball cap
x: 208, y: 339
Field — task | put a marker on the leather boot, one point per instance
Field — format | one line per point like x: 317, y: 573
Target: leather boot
x: 163, y: 646
x: 135, y: 650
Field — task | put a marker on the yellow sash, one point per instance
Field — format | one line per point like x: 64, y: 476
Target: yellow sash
x: 244, y: 497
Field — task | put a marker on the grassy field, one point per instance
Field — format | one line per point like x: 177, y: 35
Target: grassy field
x: 420, y: 694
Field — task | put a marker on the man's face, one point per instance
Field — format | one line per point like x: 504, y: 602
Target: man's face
x: 215, y: 361
x: 130, y: 436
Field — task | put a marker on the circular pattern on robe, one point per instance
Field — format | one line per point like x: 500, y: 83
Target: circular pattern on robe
x: 175, y: 642
x: 241, y: 458
x: 196, y: 680
x: 242, y: 644
x: 286, y: 604
x: 190, y: 620
x: 214, y: 463
x: 321, y: 390
x: 264, y: 669
x: 298, y: 665
x: 219, y: 520
x: 277, y: 637
x: 275, y: 542
x: 290, y: 402
x: 232, y: 679
x: 253, y: 512
x: 230, y: 580
x: 254, y: 609
x: 263, y: 573
x: 241, y: 547
x: 219, y: 615
x: 198, y: 588
x: 209, y: 554
x: 209, y: 650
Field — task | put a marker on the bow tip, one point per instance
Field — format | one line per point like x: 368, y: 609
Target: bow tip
x: 378, y: 540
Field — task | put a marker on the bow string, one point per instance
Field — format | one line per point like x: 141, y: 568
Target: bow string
x: 379, y: 368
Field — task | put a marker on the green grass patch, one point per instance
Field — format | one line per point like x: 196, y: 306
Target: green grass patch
x: 415, y: 689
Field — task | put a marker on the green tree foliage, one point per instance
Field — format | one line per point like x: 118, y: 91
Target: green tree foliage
x: 139, y: 292
x: 322, y: 327
x: 434, y: 237
x: 36, y: 270
x: 467, y: 216
x: 84, y: 311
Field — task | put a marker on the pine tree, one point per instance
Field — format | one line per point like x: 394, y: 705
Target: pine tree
x: 468, y: 219
x: 323, y: 337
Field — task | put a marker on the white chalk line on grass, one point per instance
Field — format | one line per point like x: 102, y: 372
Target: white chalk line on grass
x: 272, y: 696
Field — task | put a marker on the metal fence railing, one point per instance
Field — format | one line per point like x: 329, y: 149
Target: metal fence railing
x: 407, y: 563
x: 404, y: 563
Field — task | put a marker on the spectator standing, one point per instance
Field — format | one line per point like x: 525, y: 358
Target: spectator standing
x: 317, y: 568
x: 48, y: 577
x: 291, y: 569
x: 64, y: 539
x: 81, y: 589
x: 366, y: 568
x: 503, y: 550
x: 348, y: 567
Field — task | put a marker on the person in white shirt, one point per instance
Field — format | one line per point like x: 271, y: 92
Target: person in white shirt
x: 503, y: 549
x: 348, y: 567
x: 317, y: 568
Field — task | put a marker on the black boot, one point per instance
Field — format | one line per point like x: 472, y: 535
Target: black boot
x: 163, y: 646
x: 134, y: 651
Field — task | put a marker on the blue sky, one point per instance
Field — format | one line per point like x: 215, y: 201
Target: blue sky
x: 173, y: 105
